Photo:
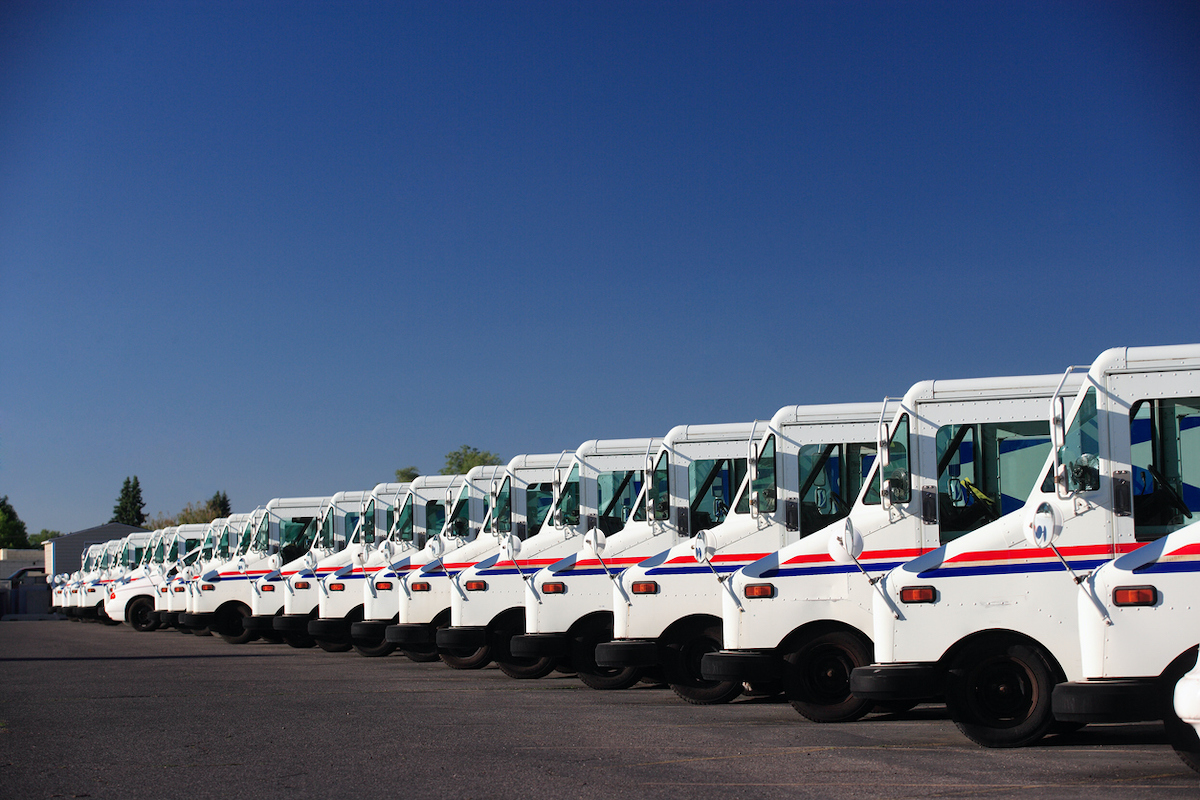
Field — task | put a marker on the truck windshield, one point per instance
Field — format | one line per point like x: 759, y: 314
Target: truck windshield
x: 458, y: 522
x: 764, y: 488
x: 618, y: 494
x: 568, y: 500
x: 985, y: 471
x: 262, y: 536
x: 224, y: 542
x: 324, y: 538
x: 402, y: 529
x: 296, y: 536
x: 247, y: 537
x: 660, y: 488
x: 502, y: 515
x: 367, y: 535
x: 896, y: 470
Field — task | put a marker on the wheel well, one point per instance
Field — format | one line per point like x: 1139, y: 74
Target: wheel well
x: 507, y: 617
x: 686, y: 627
x: 441, y: 618
x: 596, y: 618
x: 819, y: 627
x: 1006, y: 637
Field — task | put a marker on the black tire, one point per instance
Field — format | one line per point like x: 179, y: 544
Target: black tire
x: 467, y: 659
x: 583, y: 658
x: 499, y: 640
x: 334, y: 647
x: 300, y: 641
x: 230, y: 628
x: 140, y: 615
x: 681, y: 666
x: 998, y: 693
x: 374, y: 649
x: 271, y: 637
x: 421, y: 653
x: 817, y: 676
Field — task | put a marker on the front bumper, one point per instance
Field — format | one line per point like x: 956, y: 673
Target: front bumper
x: 741, y: 665
x: 371, y: 629
x: 329, y: 630
x: 628, y: 653
x: 196, y: 620
x: 410, y: 633
x: 897, y: 681
x: 290, y: 623
x: 1131, y: 700
x: 539, y: 645
x: 461, y: 638
x: 259, y: 623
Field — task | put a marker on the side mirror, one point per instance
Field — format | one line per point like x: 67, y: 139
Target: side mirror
x: 241, y: 565
x: 436, y: 546
x: 595, y: 541
x: 512, y: 548
x: 387, y: 549
x: 701, y: 549
x: 754, y: 498
x: 846, y: 545
x: 276, y: 561
x: 1043, y: 526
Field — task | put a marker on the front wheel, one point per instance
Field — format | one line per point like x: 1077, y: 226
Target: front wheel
x: 140, y: 611
x: 817, y: 676
x: 230, y: 627
x: 374, y: 649
x: 998, y: 693
x: 583, y: 658
x: 681, y: 665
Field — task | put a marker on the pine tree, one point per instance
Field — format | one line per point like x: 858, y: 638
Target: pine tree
x: 12, y: 529
x: 219, y: 503
x: 130, y: 507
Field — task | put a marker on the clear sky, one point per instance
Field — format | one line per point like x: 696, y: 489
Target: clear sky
x: 280, y: 248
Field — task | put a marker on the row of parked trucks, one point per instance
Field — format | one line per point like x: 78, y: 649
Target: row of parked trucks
x: 1022, y: 549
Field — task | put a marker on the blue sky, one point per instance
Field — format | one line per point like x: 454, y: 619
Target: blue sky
x: 285, y: 248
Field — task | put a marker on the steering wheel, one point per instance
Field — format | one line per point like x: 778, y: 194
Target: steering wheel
x: 1172, y: 495
x: 989, y: 506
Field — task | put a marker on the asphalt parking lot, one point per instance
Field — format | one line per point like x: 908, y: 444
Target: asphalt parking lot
x: 105, y: 712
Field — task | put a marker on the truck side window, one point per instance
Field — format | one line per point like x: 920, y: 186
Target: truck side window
x: 568, y: 501
x: 1165, y: 459
x: 711, y: 484
x: 538, y: 499
x: 985, y: 471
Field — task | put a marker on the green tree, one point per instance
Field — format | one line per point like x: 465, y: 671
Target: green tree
x: 219, y: 503
x: 12, y: 529
x: 43, y: 536
x: 130, y: 506
x: 406, y: 474
x: 459, y: 461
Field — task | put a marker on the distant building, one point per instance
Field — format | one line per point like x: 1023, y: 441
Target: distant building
x: 65, y: 553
